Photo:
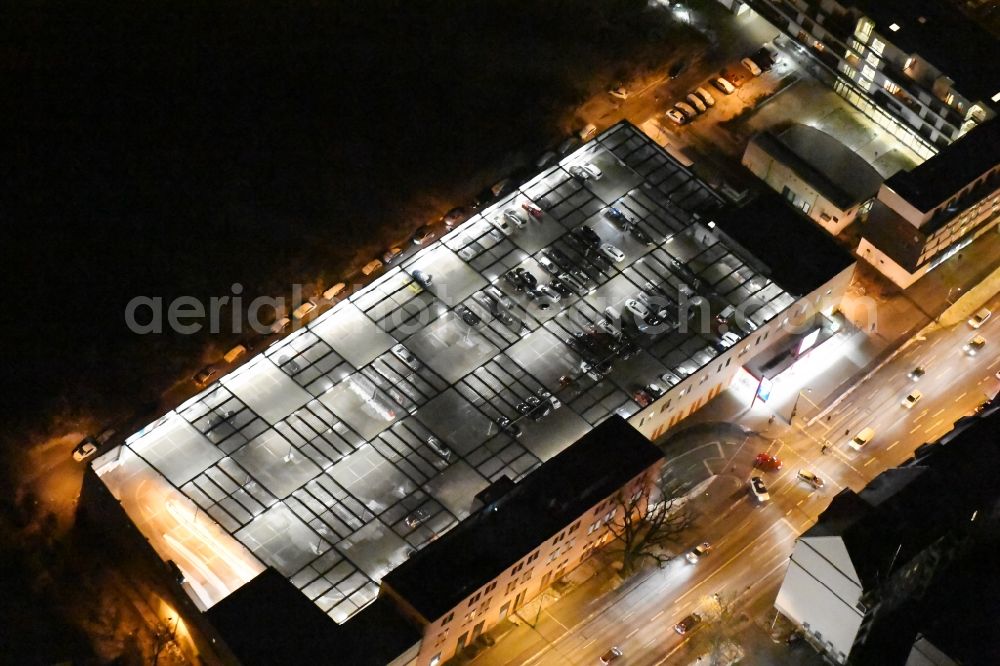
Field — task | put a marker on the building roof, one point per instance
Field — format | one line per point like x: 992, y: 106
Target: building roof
x: 269, y: 621
x: 945, y: 174
x: 836, y: 171
x: 489, y: 541
x: 960, y: 48
x: 801, y: 256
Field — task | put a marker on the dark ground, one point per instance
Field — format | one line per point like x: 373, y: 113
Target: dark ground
x: 168, y: 149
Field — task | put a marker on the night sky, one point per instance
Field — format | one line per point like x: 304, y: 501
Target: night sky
x: 176, y: 148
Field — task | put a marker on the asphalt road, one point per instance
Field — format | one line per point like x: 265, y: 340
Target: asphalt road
x: 751, y: 542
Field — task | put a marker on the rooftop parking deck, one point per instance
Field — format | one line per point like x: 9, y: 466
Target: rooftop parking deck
x: 331, y: 458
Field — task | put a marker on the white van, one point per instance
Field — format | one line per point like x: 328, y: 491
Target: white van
x: 861, y: 439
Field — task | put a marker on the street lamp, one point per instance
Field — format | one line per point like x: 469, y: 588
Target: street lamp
x: 948, y: 297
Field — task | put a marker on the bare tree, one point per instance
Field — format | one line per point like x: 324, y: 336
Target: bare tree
x: 721, y: 629
x: 650, y: 520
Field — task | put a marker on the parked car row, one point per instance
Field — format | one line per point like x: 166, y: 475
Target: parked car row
x: 697, y: 102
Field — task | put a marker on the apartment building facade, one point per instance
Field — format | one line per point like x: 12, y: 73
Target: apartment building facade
x: 918, y: 68
x: 924, y: 216
x: 517, y: 545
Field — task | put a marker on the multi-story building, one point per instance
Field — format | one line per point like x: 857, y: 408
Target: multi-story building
x: 816, y: 173
x: 924, y: 216
x: 884, y: 572
x: 518, y: 544
x: 918, y: 68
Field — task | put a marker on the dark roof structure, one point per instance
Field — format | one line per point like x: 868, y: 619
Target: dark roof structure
x: 836, y: 171
x: 269, y: 621
x: 800, y: 255
x: 959, y: 47
x: 913, y: 538
x: 489, y: 541
x: 957, y: 165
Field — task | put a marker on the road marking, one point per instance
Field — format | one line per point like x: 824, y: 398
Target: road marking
x: 914, y: 430
x: 938, y: 412
x: 632, y: 633
x: 933, y: 425
x: 961, y: 396
x: 799, y: 502
x: 870, y: 461
x: 889, y: 448
x: 730, y: 560
x: 588, y: 643
x: 653, y: 619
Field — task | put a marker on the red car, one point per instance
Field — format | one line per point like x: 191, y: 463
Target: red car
x: 532, y: 210
x: 767, y: 461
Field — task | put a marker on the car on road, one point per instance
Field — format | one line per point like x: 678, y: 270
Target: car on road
x: 676, y: 116
x: 334, y: 291
x: 751, y: 67
x: 611, y: 655
x: 586, y: 171
x: 687, y: 624
x: 705, y: 96
x: 467, y: 315
x: 973, y: 346
x: 587, y: 132
x: 697, y: 102
x: 422, y: 278
x: 406, y: 356
x: 758, y: 489
x: 723, y: 86
x: 979, y: 318
x: 912, y: 398
x: 532, y: 210
x: 515, y: 218
x: 698, y: 552
x: 916, y: 373
x: 767, y: 461
x: 371, y: 267
x: 85, y: 449
x: 416, y: 518
x: 438, y: 447
x: 810, y: 478
x: 587, y: 235
x: 280, y: 324
x: 454, y: 217
x: 391, y: 255
x: 655, y: 390
x: 862, y: 439
x: 619, y: 92
x: 612, y: 252
x: 303, y: 310
x: 423, y: 235
x: 686, y: 109
x: 204, y: 376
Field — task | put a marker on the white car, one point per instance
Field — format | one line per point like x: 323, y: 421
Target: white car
x: 686, y: 109
x: 810, y: 478
x: 281, y: 324
x: 503, y: 225
x: 515, y: 218
x: 406, y: 356
x: 978, y: 319
x: 751, y: 66
x: 705, y: 96
x: 911, y: 399
x: 758, y: 489
x: 676, y: 116
x: 548, y: 265
x: 548, y: 292
x: 646, y: 300
x: 85, y: 449
x: 723, y: 86
x: 303, y: 310
x: 612, y: 252
x: 499, y: 296
x: 697, y: 552
x: 586, y: 171
x: 862, y: 439
x: 697, y: 103
x: 637, y: 308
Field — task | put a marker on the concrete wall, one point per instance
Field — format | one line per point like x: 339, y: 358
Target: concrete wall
x: 779, y: 176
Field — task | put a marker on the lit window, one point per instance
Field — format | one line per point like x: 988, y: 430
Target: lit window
x: 950, y: 99
x: 868, y: 72
x: 436, y: 659
x: 908, y: 63
x: 890, y: 87
x: 894, y: 27
x: 864, y: 29
x: 865, y: 83
x: 872, y: 59
x: 877, y: 46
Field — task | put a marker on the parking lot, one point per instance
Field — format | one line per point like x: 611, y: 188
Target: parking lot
x: 335, y: 453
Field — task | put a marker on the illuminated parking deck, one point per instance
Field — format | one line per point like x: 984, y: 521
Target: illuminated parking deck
x: 313, y: 457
